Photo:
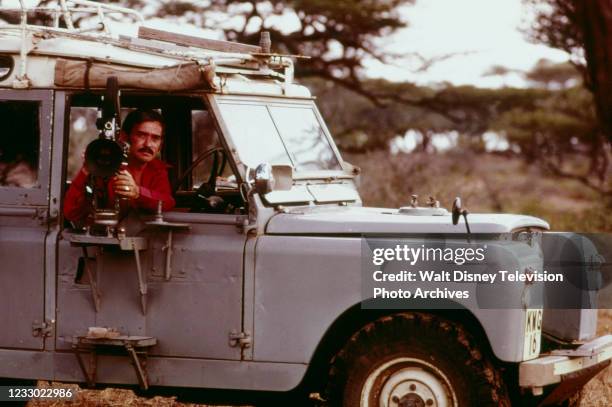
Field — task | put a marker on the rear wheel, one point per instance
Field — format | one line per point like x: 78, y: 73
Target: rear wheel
x: 414, y: 359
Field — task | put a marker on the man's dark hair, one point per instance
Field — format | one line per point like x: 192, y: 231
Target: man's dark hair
x: 142, y: 115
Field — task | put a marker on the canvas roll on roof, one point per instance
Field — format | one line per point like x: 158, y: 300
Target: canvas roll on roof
x: 181, y: 77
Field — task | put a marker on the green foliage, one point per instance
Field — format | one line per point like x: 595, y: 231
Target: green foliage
x: 547, y: 73
x: 561, y: 133
x: 358, y: 124
x: 581, y: 28
x: 468, y: 110
x: 553, y: 127
x: 561, y: 123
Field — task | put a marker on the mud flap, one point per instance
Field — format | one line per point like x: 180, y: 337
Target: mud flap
x: 571, y: 383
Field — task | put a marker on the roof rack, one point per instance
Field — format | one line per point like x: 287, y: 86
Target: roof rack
x: 65, y: 9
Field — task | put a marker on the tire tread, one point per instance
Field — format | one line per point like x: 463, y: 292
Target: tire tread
x: 364, y: 349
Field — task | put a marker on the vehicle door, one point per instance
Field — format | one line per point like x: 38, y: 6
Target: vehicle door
x: 194, y: 280
x: 277, y: 131
x: 25, y: 149
x: 199, y: 299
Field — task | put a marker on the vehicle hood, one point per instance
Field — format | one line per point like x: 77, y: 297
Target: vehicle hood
x: 358, y: 220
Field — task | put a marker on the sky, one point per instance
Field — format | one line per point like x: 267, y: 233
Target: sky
x: 485, y: 30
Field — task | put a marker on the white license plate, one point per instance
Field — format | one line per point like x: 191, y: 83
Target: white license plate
x: 533, y: 333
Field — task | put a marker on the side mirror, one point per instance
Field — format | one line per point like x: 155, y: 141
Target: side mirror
x: 457, y: 210
x: 268, y: 178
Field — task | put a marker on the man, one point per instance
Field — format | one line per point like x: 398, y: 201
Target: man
x: 145, y: 181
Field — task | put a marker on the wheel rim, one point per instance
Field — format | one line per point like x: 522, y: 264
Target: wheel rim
x: 407, y: 382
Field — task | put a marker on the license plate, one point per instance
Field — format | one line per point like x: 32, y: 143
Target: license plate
x: 533, y: 333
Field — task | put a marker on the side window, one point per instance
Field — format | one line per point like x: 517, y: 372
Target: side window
x: 204, y: 137
x: 208, y: 183
x: 82, y: 131
x: 198, y: 166
x: 19, y: 143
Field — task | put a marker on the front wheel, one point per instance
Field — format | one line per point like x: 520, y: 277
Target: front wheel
x: 414, y: 359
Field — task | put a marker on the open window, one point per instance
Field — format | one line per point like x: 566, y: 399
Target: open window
x: 25, y: 146
x: 200, y: 172
x: 19, y: 143
x: 208, y: 184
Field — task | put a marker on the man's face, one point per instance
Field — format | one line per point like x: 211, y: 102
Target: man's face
x: 145, y: 140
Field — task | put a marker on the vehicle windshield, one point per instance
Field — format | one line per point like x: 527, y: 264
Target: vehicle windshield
x: 278, y: 134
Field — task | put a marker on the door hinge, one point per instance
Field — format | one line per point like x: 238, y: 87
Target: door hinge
x: 42, y: 329
x: 244, y: 224
x: 239, y: 339
x: 45, y: 216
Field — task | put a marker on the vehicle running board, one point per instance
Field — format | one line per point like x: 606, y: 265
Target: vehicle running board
x: 135, y: 347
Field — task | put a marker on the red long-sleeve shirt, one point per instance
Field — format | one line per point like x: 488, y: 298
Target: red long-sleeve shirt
x: 154, y: 187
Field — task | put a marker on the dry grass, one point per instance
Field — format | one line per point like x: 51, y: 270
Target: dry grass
x: 486, y: 183
x: 108, y: 398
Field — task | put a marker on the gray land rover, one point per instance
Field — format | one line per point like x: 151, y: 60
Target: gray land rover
x: 254, y: 280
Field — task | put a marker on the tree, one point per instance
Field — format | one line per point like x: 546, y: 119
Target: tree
x: 581, y: 28
x: 552, y: 125
x: 359, y: 125
x: 559, y: 132
x: 553, y: 76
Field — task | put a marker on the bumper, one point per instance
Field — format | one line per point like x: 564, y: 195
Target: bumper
x: 565, y: 365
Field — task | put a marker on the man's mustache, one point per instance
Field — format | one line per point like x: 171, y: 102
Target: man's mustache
x: 146, y: 150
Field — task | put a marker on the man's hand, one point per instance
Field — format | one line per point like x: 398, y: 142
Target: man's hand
x: 125, y: 185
